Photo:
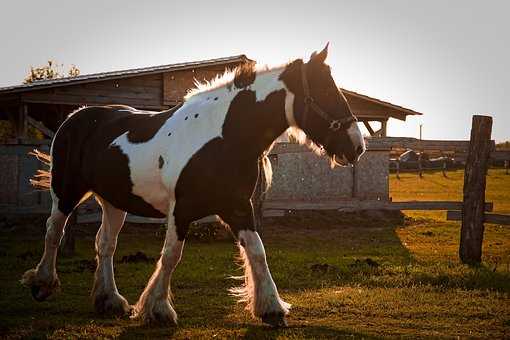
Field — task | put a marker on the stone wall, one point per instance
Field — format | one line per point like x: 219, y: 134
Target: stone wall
x: 301, y: 175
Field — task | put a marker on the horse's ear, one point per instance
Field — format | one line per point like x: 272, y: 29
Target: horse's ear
x: 321, y: 57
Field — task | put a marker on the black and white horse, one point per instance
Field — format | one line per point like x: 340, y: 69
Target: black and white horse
x: 199, y: 159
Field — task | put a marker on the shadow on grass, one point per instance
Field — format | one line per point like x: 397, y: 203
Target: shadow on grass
x: 139, y: 331
x: 301, y: 331
x: 327, y: 248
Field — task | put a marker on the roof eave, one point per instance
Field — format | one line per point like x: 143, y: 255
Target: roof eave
x: 399, y: 110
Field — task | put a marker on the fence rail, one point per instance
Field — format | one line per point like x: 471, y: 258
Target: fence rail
x: 488, y: 218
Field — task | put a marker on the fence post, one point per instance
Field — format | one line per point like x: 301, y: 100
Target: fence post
x: 506, y: 166
x: 445, y: 167
x: 398, y: 168
x: 420, y: 169
x: 471, y: 234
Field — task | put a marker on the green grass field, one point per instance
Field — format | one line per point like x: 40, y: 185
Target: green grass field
x: 347, y: 275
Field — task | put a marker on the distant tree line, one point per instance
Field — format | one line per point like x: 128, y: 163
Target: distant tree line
x: 503, y: 145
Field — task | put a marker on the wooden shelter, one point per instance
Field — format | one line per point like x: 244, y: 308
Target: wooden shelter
x: 45, y: 104
x: 369, y: 110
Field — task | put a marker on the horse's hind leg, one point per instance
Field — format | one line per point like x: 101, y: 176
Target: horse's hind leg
x: 43, y: 280
x: 107, y: 299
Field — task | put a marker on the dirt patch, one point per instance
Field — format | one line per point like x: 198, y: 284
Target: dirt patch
x: 324, y: 268
x: 136, y: 258
x: 362, y: 263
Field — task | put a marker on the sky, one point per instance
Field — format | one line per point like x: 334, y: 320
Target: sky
x: 446, y: 59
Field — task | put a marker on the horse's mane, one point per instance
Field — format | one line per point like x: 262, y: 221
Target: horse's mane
x: 240, y: 76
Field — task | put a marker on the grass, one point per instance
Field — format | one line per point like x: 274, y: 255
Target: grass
x: 347, y: 275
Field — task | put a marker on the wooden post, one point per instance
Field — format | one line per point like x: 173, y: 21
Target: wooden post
x: 506, y: 166
x: 67, y: 247
x: 384, y: 128
x: 398, y: 168
x: 445, y: 165
x: 22, y: 124
x: 354, y: 192
x: 471, y: 234
x: 420, y: 169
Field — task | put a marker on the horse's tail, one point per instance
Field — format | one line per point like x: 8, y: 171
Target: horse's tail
x: 42, y: 179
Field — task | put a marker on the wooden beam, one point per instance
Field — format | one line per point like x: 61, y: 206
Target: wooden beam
x: 76, y: 100
x: 21, y: 122
x: 369, y: 128
x: 456, y: 215
x: 500, y: 155
x: 425, y: 145
x: 471, y: 234
x: 40, y: 126
x: 367, y: 205
x: 10, y: 99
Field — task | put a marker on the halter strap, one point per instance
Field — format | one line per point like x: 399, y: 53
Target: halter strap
x: 335, y: 124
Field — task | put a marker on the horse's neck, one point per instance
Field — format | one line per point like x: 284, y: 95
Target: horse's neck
x: 264, y: 112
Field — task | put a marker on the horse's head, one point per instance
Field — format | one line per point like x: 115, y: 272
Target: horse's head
x: 321, y: 110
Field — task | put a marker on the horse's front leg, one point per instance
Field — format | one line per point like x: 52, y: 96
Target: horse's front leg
x: 259, y: 290
x: 155, y: 304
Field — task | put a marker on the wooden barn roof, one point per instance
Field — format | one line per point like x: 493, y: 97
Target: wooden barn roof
x: 41, y: 84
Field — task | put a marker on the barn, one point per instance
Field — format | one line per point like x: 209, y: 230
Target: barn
x: 300, y: 177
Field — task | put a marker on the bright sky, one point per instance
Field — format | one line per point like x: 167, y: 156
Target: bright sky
x: 447, y: 59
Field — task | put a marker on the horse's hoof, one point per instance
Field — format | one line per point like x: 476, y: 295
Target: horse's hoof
x: 114, y: 304
x: 163, y: 319
x: 276, y: 319
x: 156, y: 319
x: 39, y: 288
x: 158, y: 313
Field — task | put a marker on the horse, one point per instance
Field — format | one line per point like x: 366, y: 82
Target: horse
x: 201, y: 158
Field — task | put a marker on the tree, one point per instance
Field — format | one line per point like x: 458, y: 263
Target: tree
x: 51, y: 71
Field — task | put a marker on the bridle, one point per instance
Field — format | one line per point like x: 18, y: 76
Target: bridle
x: 335, y: 124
